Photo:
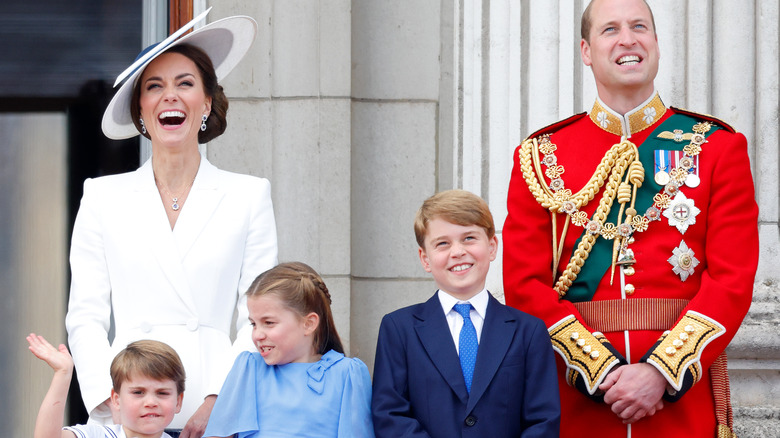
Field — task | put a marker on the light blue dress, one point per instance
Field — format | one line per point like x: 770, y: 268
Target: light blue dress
x: 329, y: 398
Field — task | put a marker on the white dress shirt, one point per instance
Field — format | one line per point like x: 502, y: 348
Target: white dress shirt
x: 478, y: 303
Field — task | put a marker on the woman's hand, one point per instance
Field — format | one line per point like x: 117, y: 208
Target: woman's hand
x: 196, y: 425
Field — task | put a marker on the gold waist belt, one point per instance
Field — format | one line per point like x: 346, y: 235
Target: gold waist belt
x: 632, y: 314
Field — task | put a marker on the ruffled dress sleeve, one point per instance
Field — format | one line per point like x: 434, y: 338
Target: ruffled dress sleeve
x: 236, y: 410
x: 355, y: 415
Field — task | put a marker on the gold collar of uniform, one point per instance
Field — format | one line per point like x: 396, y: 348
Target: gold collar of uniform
x: 638, y: 119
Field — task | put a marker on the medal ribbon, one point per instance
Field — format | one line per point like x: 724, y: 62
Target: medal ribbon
x: 600, y: 259
x: 661, y: 161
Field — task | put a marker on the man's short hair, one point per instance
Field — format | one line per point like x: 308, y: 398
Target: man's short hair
x: 585, y: 23
x: 152, y: 359
x: 459, y: 207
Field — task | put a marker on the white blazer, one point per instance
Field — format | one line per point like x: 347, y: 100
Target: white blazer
x: 177, y: 286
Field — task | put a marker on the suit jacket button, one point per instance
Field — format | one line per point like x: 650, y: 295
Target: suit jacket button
x: 471, y: 420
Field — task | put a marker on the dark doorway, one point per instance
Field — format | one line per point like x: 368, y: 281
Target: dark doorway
x: 62, y: 57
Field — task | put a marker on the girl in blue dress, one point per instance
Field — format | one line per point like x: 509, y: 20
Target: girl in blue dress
x: 298, y: 383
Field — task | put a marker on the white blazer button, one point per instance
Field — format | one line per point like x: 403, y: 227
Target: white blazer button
x: 145, y: 327
x: 192, y: 325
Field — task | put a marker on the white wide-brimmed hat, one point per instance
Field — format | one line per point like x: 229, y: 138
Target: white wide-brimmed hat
x: 225, y: 41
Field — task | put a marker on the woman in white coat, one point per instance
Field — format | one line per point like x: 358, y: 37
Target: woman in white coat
x: 170, y: 248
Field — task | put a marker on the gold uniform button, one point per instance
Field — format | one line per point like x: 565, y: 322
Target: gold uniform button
x: 630, y: 289
x: 677, y: 343
x: 684, y: 337
x: 689, y: 329
x: 670, y: 351
x: 586, y: 349
x: 629, y: 271
x: 575, y: 336
x: 594, y: 355
x: 581, y: 343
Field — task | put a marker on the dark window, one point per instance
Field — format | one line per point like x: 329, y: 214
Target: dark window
x: 63, y: 56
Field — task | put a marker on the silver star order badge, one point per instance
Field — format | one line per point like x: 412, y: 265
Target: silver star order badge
x: 681, y: 212
x: 683, y: 261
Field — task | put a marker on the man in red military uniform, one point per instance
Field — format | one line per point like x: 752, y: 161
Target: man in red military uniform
x: 632, y: 232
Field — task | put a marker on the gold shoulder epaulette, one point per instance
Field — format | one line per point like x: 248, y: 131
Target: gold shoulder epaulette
x: 707, y: 117
x: 549, y: 129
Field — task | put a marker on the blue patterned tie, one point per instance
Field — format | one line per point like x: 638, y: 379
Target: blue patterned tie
x: 467, y: 345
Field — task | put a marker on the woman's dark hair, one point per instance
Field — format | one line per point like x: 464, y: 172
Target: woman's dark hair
x: 217, y: 121
x: 301, y: 290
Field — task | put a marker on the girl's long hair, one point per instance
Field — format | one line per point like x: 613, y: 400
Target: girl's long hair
x: 302, y: 290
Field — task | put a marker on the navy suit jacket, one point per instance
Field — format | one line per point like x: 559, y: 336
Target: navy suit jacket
x: 419, y: 390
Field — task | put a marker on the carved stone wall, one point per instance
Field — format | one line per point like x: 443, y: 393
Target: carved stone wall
x: 358, y: 110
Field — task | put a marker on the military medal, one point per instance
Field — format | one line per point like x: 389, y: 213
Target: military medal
x: 680, y: 160
x: 687, y: 159
x: 681, y: 212
x: 661, y: 167
x: 672, y: 170
x: 692, y: 180
x: 683, y: 261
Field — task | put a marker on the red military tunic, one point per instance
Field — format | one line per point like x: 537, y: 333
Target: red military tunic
x: 677, y: 306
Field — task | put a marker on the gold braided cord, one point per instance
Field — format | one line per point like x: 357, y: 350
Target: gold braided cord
x: 559, y: 250
x: 627, y: 193
x: 532, y: 173
x: 636, y: 174
x: 529, y: 153
x: 624, y: 192
x: 725, y: 432
x: 554, y: 221
x: 622, y: 159
x: 605, y: 204
x: 610, y: 170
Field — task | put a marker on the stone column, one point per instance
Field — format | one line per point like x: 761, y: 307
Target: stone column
x: 395, y: 86
x: 289, y: 121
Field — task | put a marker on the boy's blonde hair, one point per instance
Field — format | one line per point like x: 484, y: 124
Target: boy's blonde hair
x: 457, y: 206
x: 148, y: 358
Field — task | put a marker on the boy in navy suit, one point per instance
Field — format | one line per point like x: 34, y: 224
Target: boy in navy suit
x: 462, y: 364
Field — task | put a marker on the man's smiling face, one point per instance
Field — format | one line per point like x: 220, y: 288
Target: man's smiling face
x: 622, y: 48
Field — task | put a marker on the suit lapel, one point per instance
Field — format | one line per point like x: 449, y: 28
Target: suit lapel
x: 431, y: 327
x: 203, y: 200
x: 498, y: 332
x: 153, y: 223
